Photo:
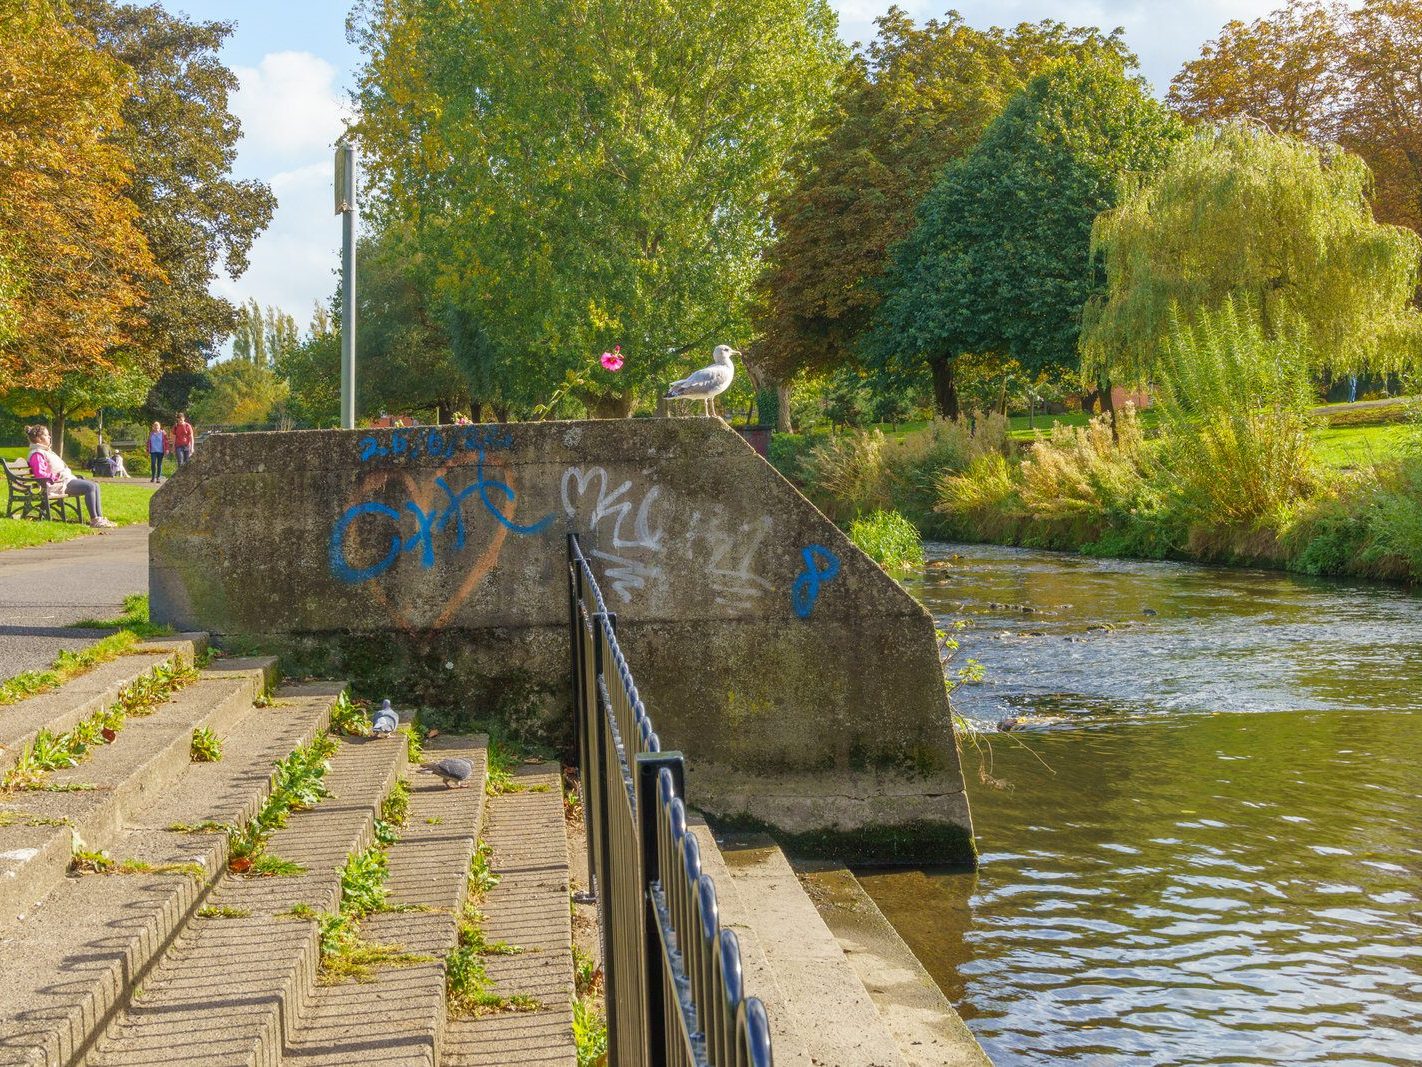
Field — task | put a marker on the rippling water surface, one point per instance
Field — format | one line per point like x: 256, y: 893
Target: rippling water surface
x: 1209, y: 851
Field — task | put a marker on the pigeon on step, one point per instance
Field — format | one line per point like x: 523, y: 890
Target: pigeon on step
x: 386, y: 720
x: 456, y: 772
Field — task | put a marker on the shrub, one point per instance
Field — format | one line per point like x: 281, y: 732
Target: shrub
x: 849, y: 474
x: 889, y: 539
x: 983, y: 502
x: 1234, y: 410
x: 1083, y: 473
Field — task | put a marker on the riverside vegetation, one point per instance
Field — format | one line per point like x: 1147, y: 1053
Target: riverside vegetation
x: 1229, y: 473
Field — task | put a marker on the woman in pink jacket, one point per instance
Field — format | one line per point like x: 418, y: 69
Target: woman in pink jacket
x: 58, y: 480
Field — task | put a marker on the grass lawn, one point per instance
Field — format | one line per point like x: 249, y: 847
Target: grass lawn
x: 125, y: 502
x: 1360, y: 446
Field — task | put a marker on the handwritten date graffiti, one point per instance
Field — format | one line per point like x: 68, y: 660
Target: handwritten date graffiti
x: 821, y: 566
x: 427, y: 524
x: 437, y: 442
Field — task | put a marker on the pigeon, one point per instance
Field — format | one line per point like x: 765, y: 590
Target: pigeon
x: 707, y: 383
x: 456, y: 772
x: 386, y: 720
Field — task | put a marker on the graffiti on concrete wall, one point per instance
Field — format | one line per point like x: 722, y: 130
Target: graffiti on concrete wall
x: 729, y: 556
x: 821, y: 567
x: 627, y: 545
x: 436, y: 442
x: 439, y: 523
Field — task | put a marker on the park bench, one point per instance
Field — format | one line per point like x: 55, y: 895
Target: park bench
x: 26, y: 496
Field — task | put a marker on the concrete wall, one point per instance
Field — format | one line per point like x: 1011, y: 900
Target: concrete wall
x: 802, y: 683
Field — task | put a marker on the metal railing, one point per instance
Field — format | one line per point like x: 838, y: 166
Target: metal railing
x: 675, y: 993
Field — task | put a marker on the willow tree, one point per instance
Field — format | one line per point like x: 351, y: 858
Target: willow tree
x: 585, y: 173
x: 1279, y: 226
x: 999, y: 260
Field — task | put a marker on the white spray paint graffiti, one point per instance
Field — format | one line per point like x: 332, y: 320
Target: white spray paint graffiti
x: 731, y: 557
x: 634, y: 553
x: 625, y: 571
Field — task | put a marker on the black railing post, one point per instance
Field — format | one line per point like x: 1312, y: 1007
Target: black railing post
x: 601, y: 848
x: 649, y: 816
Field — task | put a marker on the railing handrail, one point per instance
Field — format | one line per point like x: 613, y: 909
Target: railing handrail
x: 673, y: 976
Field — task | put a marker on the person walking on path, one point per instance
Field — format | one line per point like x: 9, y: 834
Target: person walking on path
x: 58, y: 480
x: 183, y: 439
x: 158, y: 444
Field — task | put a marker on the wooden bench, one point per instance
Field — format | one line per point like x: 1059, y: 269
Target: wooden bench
x: 26, y: 496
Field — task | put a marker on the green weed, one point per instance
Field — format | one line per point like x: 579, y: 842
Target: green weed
x: 363, y: 882
x: 589, y: 1033
x: 889, y: 539
x: 349, y: 718
x: 269, y: 866
x: 222, y: 911
x: 298, y: 784
x: 395, y: 808
x: 207, y: 746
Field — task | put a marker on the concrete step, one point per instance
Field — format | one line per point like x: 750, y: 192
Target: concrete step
x: 74, y: 959
x: 40, y: 829
x: 528, y: 909
x: 825, y: 1001
x: 928, y: 1031
x: 398, y: 1019
x: 760, y: 978
x: 228, y: 990
x: 77, y: 699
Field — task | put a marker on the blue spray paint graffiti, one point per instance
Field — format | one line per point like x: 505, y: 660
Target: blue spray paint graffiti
x: 440, y: 442
x: 427, y: 524
x: 806, y: 589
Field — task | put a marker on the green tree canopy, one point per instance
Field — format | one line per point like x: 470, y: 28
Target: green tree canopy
x: 237, y: 393
x: 589, y: 172
x: 1282, y: 227
x: 182, y: 140
x: 915, y: 99
x: 78, y: 395
x: 1000, y: 258
x: 263, y: 337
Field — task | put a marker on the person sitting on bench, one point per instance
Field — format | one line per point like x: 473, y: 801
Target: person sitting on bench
x: 58, y: 480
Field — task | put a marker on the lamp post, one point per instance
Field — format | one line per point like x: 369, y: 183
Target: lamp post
x: 346, y: 208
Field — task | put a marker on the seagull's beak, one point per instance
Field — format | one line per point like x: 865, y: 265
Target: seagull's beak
x: 735, y: 352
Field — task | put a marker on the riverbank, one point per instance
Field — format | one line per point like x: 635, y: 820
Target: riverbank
x: 1238, y: 495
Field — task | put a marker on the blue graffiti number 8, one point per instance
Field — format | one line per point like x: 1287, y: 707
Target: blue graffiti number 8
x: 821, y: 565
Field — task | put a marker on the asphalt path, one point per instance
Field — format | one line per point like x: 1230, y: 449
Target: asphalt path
x: 45, y: 588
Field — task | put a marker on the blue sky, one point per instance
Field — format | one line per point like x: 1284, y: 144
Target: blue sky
x: 295, y: 68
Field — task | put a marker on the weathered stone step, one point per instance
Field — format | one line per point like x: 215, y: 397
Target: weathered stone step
x: 397, y: 1019
x: 228, y: 989
x: 74, y: 959
x: 77, y: 699
x: 928, y: 1031
x: 760, y: 980
x: 147, y: 757
x: 528, y: 909
x: 833, y: 1012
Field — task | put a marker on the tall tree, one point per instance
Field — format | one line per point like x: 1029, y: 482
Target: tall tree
x: 915, y: 99
x: 1000, y: 258
x: 79, y: 394
x: 1279, y: 226
x: 264, y: 336
x: 182, y: 139
x: 1329, y: 74
x: 587, y: 173
x: 78, y: 264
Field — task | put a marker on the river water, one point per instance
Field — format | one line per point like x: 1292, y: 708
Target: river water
x: 1215, y: 856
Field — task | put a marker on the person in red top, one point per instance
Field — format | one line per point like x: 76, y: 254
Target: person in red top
x: 183, y: 439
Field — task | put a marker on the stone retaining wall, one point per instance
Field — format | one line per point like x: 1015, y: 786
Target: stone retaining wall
x: 802, y: 683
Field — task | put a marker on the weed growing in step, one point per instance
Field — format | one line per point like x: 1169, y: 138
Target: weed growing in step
x: 572, y: 796
x: 222, y: 911
x: 346, y: 957
x: 395, y: 808
x: 299, y: 783
x: 482, y: 876
x: 434, y: 820
x: 469, y: 991
x: 133, y: 620
x: 587, y: 975
x: 502, y: 759
x: 66, y: 665
x: 266, y: 866
x: 100, y: 862
x: 207, y: 746
x: 24, y: 818
x: 206, y: 827
x: 589, y: 1033
x: 51, y: 752
x: 349, y: 718
x: 363, y: 882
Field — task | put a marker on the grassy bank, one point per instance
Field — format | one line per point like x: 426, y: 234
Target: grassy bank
x: 125, y: 502
x: 1273, y: 489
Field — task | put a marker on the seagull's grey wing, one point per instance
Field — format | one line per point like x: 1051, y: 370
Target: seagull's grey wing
x: 706, y: 380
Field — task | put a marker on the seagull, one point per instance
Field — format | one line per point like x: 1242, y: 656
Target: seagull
x: 456, y: 772
x: 707, y: 383
x: 386, y: 720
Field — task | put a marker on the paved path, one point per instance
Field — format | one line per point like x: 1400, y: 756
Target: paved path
x: 45, y: 588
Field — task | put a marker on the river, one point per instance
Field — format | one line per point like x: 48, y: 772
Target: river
x: 1215, y: 856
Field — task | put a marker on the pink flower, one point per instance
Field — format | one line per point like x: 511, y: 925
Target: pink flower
x: 612, y: 360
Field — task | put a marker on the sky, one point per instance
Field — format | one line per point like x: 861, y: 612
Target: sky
x: 296, y: 68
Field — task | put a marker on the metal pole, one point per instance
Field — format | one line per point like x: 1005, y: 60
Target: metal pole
x: 345, y: 204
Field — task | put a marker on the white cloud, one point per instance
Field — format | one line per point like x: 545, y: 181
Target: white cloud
x: 289, y: 107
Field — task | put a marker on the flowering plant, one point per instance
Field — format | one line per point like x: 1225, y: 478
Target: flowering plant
x: 610, y: 361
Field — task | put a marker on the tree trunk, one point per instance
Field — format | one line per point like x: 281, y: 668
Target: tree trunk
x: 444, y: 412
x: 476, y: 411
x: 501, y: 413
x: 782, y: 409
x: 1108, y: 404
x: 945, y: 387
x: 56, y: 431
x: 617, y: 406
